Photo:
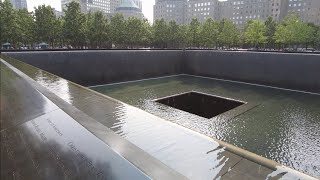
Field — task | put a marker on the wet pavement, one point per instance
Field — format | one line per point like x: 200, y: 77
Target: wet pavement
x: 188, y: 152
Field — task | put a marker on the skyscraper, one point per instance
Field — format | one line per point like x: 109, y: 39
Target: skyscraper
x: 238, y: 11
x: 90, y: 5
x: 19, y: 4
x: 308, y: 10
x: 170, y: 10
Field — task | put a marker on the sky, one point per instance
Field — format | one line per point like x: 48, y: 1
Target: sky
x: 147, y: 6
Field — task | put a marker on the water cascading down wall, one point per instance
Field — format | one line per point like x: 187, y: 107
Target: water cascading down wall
x: 94, y: 67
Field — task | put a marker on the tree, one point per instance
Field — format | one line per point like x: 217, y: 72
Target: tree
x: 174, y: 35
x: 147, y: 39
x: 160, y: 33
x: 209, y: 33
x: 282, y: 34
x: 255, y: 33
x: 317, y: 38
x: 74, y: 25
x: 229, y: 35
x: 309, y: 33
x: 8, y: 23
x: 26, y: 26
x: 118, y: 34
x: 45, y: 21
x: 292, y: 31
x: 270, y: 31
x: 134, y: 31
x: 58, y: 32
x: 193, y: 33
x: 98, y: 32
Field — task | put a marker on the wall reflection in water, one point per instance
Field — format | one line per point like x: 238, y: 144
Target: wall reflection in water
x: 191, y: 154
x: 284, y: 127
x: 55, y: 84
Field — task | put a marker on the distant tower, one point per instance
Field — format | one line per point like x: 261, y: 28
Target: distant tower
x: 138, y: 3
x: 19, y: 4
x: 129, y: 9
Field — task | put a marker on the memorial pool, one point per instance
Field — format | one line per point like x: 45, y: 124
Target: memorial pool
x: 277, y: 124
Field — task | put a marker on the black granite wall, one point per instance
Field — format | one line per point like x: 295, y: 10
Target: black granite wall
x: 294, y: 71
x: 101, y: 67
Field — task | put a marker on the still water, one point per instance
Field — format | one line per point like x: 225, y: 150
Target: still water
x: 283, y: 126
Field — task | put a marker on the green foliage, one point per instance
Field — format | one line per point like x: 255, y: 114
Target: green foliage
x: 74, y: 25
x: 45, y: 22
x: 292, y: 31
x: 26, y: 26
x: 270, y: 30
x: 118, y: 28
x: 8, y: 21
x: 98, y: 30
x: 135, y: 32
x: 255, y: 33
x: 229, y: 35
x: 209, y: 33
x: 193, y: 33
x: 175, y: 35
x: 160, y: 33
x: 317, y: 38
x: 147, y: 39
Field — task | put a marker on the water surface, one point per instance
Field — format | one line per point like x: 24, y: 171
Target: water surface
x: 283, y: 126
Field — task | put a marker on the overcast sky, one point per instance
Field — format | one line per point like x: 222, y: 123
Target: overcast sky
x: 147, y: 6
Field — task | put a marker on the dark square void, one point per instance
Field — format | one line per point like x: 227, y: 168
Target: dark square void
x: 200, y: 104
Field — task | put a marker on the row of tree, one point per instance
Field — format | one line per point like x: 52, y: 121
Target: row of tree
x: 94, y: 30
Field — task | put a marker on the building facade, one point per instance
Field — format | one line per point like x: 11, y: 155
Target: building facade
x: 19, y: 4
x: 308, y: 10
x: 238, y: 11
x: 108, y: 7
x: 170, y: 10
x: 202, y: 10
x: 90, y: 5
x: 241, y: 11
x: 129, y: 9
